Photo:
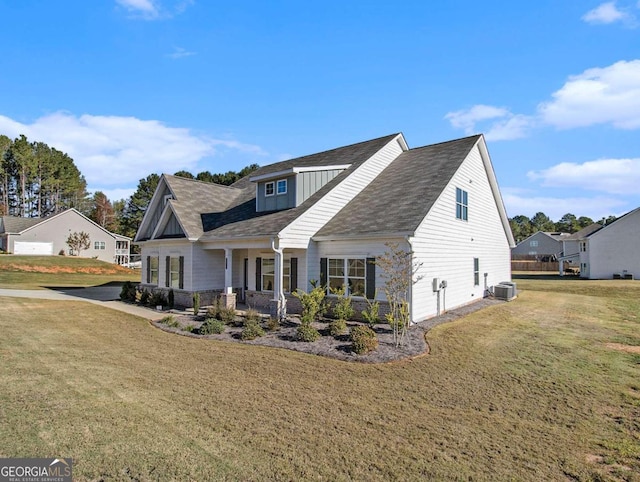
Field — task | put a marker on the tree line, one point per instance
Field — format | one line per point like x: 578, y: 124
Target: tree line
x: 522, y: 227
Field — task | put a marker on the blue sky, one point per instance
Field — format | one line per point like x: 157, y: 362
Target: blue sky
x: 130, y: 87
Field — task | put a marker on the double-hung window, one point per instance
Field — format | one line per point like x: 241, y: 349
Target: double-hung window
x: 476, y: 271
x: 99, y: 245
x: 349, y: 273
x: 281, y: 187
x: 153, y: 270
x: 269, y: 188
x: 174, y: 272
x: 268, y: 274
x: 462, y: 204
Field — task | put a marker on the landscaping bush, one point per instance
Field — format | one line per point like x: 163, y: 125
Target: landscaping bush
x: 337, y: 327
x: 307, y: 333
x: 252, y: 315
x: 251, y: 331
x: 157, y: 298
x: 171, y: 299
x: 189, y: 328
x: 144, y: 297
x: 313, y: 306
x: 273, y: 324
x: 196, y: 303
x: 214, y: 310
x: 128, y: 292
x: 364, y: 339
x: 228, y: 315
x: 371, y: 314
x: 212, y: 326
x: 342, y: 309
x: 170, y: 320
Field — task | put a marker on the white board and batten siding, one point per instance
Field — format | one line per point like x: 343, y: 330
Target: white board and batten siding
x: 300, y: 231
x: 447, y: 246
x: 615, y: 249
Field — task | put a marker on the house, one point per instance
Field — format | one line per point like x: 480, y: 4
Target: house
x: 569, y: 258
x: 612, y: 251
x: 327, y: 217
x: 48, y: 236
x: 540, y: 245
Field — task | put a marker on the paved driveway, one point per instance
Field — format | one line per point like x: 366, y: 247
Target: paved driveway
x: 107, y: 296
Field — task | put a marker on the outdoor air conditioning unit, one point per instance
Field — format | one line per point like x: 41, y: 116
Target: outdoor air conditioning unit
x: 505, y: 291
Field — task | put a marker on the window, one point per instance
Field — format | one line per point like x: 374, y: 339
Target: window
x: 533, y: 244
x: 349, y: 272
x: 583, y: 246
x: 476, y: 271
x: 99, y: 245
x: 282, y: 186
x: 268, y: 274
x: 462, y: 204
x: 269, y: 188
x: 174, y: 272
x: 153, y: 270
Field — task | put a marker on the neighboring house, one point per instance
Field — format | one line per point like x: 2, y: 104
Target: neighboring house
x: 541, y: 244
x: 48, y: 236
x: 571, y: 248
x: 327, y: 217
x: 613, y: 251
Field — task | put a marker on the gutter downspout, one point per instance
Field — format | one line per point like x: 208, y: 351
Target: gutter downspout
x: 280, y: 300
x: 410, y: 243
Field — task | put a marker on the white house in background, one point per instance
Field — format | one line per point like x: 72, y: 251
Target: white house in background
x: 569, y: 258
x: 327, y: 217
x: 48, y: 236
x: 540, y: 244
x: 612, y: 251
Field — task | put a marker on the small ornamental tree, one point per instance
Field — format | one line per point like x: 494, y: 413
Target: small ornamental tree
x: 313, y: 307
x: 400, y: 271
x: 78, y: 241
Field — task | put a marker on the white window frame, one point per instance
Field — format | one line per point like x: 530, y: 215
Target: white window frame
x: 99, y: 245
x: 278, y: 184
x: 174, y: 274
x: 533, y: 243
x: 265, y: 276
x: 476, y: 271
x: 342, y: 264
x: 273, y: 188
x: 462, y: 204
x: 154, y: 271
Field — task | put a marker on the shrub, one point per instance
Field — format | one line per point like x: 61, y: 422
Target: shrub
x: 214, y: 310
x: 252, y: 315
x: 171, y: 298
x: 61, y: 252
x: 364, y: 339
x: 342, y: 309
x: 307, y: 333
x: 196, y: 303
x: 227, y: 315
x: 211, y: 326
x: 144, y: 297
x: 313, y: 306
x: 337, y: 327
x: 273, y: 324
x: 128, y: 292
x: 251, y: 331
x: 170, y: 320
x: 158, y: 299
x: 371, y: 314
x: 189, y: 328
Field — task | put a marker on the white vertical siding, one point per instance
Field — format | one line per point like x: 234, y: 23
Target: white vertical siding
x: 446, y: 246
x: 299, y: 232
x: 615, y: 248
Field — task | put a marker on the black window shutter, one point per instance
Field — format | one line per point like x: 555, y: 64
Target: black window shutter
x: 181, y: 273
x: 148, y: 269
x: 167, y: 271
x: 293, y: 282
x: 258, y: 274
x: 370, y: 275
x: 323, y: 272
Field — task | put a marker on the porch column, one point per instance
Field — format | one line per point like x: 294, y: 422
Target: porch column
x: 278, y: 306
x: 228, y: 296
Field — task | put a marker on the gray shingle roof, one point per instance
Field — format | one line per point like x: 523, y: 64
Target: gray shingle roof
x: 584, y: 232
x: 401, y: 196
x: 14, y: 225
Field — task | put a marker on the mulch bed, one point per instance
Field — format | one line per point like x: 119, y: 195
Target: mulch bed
x: 338, y: 347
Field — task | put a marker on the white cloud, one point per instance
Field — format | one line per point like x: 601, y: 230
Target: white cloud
x: 597, y: 96
x: 145, y: 8
x: 179, y: 52
x: 605, y: 13
x: 529, y: 203
x: 503, y: 124
x: 614, y: 176
x: 154, y: 9
x: 116, y: 152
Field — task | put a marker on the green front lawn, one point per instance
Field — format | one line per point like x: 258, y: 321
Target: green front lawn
x: 546, y: 387
x: 38, y: 272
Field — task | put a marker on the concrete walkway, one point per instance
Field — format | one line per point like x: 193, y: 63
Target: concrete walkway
x: 107, y: 296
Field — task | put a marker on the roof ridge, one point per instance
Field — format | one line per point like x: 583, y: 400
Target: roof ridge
x: 477, y: 136
x: 200, y: 181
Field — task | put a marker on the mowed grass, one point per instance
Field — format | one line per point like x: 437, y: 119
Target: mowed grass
x: 39, y: 272
x: 527, y: 390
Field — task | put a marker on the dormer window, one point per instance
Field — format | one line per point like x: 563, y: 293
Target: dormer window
x: 166, y: 199
x: 282, y: 186
x: 269, y: 188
